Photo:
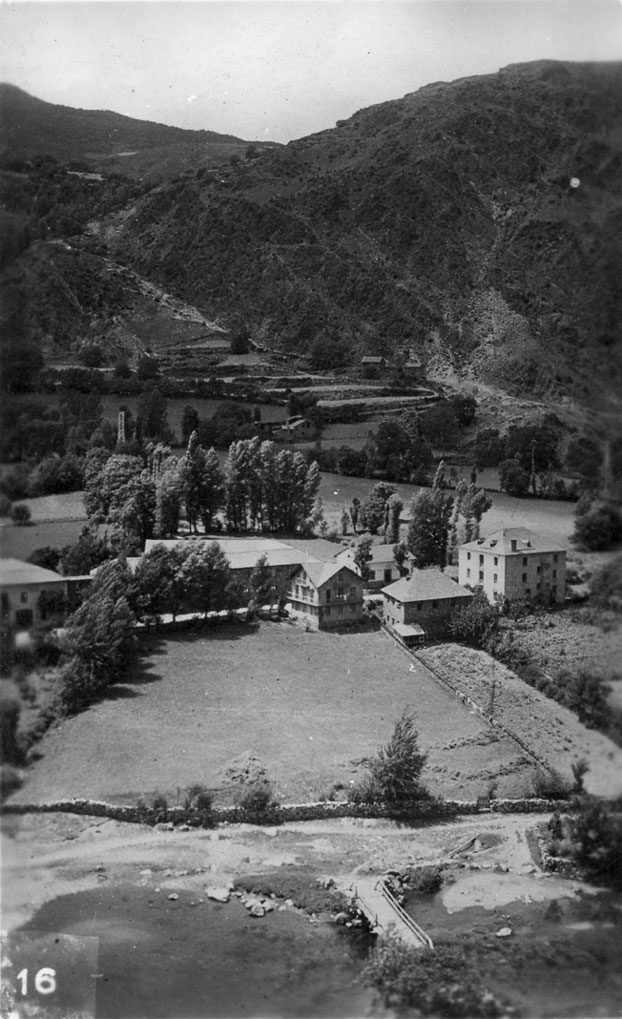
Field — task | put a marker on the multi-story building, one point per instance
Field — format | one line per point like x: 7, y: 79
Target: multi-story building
x: 424, y: 601
x: 383, y: 568
x: 327, y: 594
x: 514, y: 563
x: 31, y: 595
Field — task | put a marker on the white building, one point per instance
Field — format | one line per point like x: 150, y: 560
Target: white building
x: 514, y: 563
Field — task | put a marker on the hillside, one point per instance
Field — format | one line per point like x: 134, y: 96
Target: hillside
x: 477, y: 222
x: 103, y: 140
x: 448, y: 220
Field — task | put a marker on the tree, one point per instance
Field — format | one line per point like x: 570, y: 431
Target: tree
x: 428, y: 531
x: 396, y: 769
x: 599, y: 528
x: 585, y: 457
x: 363, y: 557
x: 189, y: 422
x: 400, y: 551
x: 513, y: 478
x: 355, y: 511
x: 327, y: 353
x: 20, y: 514
x: 345, y: 520
x: 147, y: 367
x: 261, y: 584
x: 392, y: 513
x: 205, y: 575
x: 202, y: 484
x: 392, y: 449
x: 151, y: 416
x: 476, y: 622
x: 48, y: 558
x: 372, y: 513
x: 489, y: 447
x: 85, y: 554
x: 158, y: 584
x: 240, y: 341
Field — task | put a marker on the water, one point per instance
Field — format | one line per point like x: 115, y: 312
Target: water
x: 159, y: 958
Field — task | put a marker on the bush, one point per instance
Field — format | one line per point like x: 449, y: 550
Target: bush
x: 596, y: 839
x: 439, y: 983
x: 21, y: 515
x: 5, y: 505
x: 513, y: 479
x: 476, y: 622
x: 256, y: 800
x: 606, y: 586
x: 425, y: 880
x: 10, y: 710
x: 198, y: 801
x: 550, y: 785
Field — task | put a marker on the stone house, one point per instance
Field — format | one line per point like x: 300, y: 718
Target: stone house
x: 328, y: 595
x: 514, y: 563
x: 426, y: 599
x: 296, y: 429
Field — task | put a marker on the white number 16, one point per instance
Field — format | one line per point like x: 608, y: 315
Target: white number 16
x: 45, y: 981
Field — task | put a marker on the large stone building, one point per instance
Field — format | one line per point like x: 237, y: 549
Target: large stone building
x: 424, y: 601
x: 328, y: 595
x: 514, y: 563
x: 31, y: 595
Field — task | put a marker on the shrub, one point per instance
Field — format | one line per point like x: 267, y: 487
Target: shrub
x: 10, y: 710
x: 159, y: 806
x: 20, y: 514
x: 606, y: 586
x: 435, y: 983
x: 256, y: 800
x: 198, y: 801
x: 596, y: 839
x: 5, y: 505
x: 550, y: 785
x: 425, y: 880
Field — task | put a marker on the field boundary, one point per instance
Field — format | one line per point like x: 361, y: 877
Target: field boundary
x: 445, y: 682
x: 279, y: 814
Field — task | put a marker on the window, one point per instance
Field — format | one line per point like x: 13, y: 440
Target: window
x: 353, y: 592
x: 298, y: 590
x: 372, y: 574
x: 495, y: 578
x: 524, y: 578
x: 538, y: 586
x: 418, y: 606
x: 481, y: 576
x: 539, y: 570
x: 554, y: 574
x: 434, y: 604
x: 24, y: 597
x: 555, y: 557
x: 496, y: 560
x: 468, y: 573
x: 387, y: 576
x: 481, y: 560
x: 528, y: 591
x: 468, y: 555
x: 524, y: 560
x: 327, y: 594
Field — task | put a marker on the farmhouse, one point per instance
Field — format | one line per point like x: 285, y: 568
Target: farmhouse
x: 296, y: 429
x: 514, y: 563
x: 31, y: 595
x: 328, y: 594
x: 426, y: 599
x: 382, y: 566
x: 372, y: 366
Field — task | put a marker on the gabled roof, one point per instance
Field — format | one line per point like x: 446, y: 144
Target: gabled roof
x: 379, y: 553
x: 501, y: 542
x: 243, y: 553
x: 426, y: 585
x: 319, y: 573
x: 368, y: 359
x: 14, y: 571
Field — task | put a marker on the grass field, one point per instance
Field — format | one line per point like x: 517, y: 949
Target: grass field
x: 306, y: 707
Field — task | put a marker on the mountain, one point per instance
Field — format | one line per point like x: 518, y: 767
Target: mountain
x: 478, y: 222
x: 104, y: 140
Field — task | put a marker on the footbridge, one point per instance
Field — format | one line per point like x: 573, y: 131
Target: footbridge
x: 376, y: 901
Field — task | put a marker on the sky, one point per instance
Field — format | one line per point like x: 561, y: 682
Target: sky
x: 281, y: 69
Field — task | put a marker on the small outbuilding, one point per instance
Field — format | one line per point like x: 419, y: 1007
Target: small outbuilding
x: 426, y: 599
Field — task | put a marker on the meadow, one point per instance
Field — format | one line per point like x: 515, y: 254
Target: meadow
x: 303, y: 709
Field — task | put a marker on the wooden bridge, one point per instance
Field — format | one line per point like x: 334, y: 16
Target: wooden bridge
x: 375, y: 900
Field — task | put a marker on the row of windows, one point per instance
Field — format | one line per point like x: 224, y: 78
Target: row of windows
x: 496, y: 559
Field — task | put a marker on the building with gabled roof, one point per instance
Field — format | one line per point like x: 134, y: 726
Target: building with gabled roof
x: 514, y: 563
x: 426, y: 599
x: 31, y: 595
x: 327, y: 595
x: 382, y: 566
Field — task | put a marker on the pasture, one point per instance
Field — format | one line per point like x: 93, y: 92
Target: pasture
x: 307, y: 708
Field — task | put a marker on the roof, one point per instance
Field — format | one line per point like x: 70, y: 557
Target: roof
x: 14, y: 571
x: 372, y: 360
x: 426, y: 585
x: 379, y: 553
x: 501, y: 542
x: 243, y: 553
x: 319, y: 573
x: 404, y: 630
